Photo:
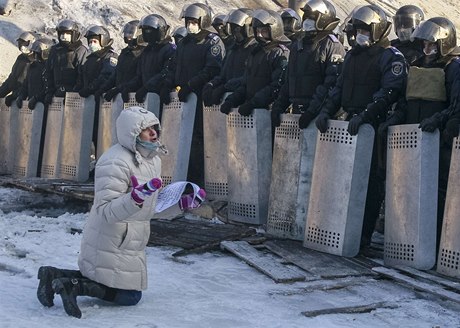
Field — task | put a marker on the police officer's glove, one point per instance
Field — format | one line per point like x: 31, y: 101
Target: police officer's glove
x: 9, y: 100
x: 184, y: 92
x: 141, y: 192
x: 218, y: 93
x: 3, y: 91
x: 19, y: 102
x: 206, y: 94
x: 165, y: 95
x: 246, y: 109
x: 354, y: 124
x: 226, y: 107
x: 305, y: 119
x: 32, y: 103
x: 321, y: 122
x: 125, y: 95
x: 452, y: 129
x: 85, y: 92
x: 110, y: 94
x: 430, y: 124
x: 140, y: 94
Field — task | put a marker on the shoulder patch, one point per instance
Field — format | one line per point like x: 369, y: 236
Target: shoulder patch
x: 214, y: 38
x: 216, y: 50
x: 113, y: 61
x: 333, y: 38
x: 397, y: 68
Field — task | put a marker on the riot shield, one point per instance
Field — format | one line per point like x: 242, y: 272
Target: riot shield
x: 108, y: 114
x: 411, y: 197
x: 215, y: 152
x: 449, y: 249
x: 249, y: 144
x: 6, y: 120
x: 292, y: 168
x: 338, y: 189
x: 54, y: 121
x: 76, y: 137
x: 27, y: 143
x: 177, y: 129
x: 151, y: 103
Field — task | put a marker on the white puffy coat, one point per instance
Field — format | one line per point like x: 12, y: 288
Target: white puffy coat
x: 117, y: 230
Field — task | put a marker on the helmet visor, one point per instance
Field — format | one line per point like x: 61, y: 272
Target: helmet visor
x: 404, y: 21
x: 429, y: 31
x: 264, y: 17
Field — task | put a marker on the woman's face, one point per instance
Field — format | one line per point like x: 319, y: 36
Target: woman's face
x: 149, y: 134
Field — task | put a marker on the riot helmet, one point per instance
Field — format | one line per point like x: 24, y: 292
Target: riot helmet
x: 200, y: 12
x: 68, y: 26
x: 41, y: 49
x: 25, y: 41
x: 131, y: 32
x: 154, y: 28
x: 268, y: 26
x: 100, y: 33
x: 292, y: 22
x: 373, y: 19
x: 406, y: 19
x: 319, y: 15
x: 179, y: 33
x: 439, y: 30
x: 219, y: 22
x: 239, y: 21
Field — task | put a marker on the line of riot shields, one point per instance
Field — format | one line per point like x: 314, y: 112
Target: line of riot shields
x: 300, y: 183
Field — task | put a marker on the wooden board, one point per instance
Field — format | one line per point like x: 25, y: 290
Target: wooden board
x: 360, y: 308
x: 453, y: 285
x: 318, y: 264
x: 263, y: 262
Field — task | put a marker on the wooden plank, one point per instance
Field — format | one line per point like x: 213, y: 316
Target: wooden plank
x: 317, y: 263
x: 360, y: 308
x: 263, y: 262
x: 453, y: 285
x: 434, y: 289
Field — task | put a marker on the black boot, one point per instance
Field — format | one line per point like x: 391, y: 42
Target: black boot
x: 70, y: 288
x: 47, y: 274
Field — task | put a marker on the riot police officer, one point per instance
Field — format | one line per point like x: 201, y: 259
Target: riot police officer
x: 219, y: 22
x: 127, y: 62
x: 64, y: 61
x: 18, y: 74
x: 292, y: 23
x: 265, y: 68
x: 239, y: 21
x: 155, y: 60
x: 406, y: 20
x: 198, y: 59
x: 179, y: 33
x: 313, y: 64
x: 373, y: 77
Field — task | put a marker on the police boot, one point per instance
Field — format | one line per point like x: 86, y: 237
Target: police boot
x: 70, y: 288
x: 47, y: 274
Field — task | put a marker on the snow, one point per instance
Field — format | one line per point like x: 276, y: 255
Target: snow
x: 213, y: 289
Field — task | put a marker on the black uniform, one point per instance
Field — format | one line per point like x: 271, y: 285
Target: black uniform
x: 34, y: 85
x: 412, y: 50
x: 372, y: 79
x: 198, y: 59
x: 17, y: 77
x: 62, y: 68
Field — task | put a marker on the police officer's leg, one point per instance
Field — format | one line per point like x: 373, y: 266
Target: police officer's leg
x: 444, y: 165
x: 196, y: 162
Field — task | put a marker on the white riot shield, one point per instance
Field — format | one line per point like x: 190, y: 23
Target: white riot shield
x: 411, y: 197
x: 27, y: 142
x: 215, y: 152
x: 76, y: 137
x: 151, y: 103
x: 5, y: 118
x: 108, y: 114
x: 54, y: 119
x: 177, y: 130
x: 293, y: 153
x: 249, y: 144
x: 338, y: 189
x: 449, y: 249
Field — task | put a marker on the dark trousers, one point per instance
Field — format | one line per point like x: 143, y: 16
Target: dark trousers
x: 196, y: 162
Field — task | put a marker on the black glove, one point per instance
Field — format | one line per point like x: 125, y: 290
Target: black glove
x: 165, y: 95
x: 206, y: 94
x: 354, y: 124
x: 110, y: 94
x: 32, y: 103
x: 19, y: 102
x: 305, y: 119
x: 140, y: 95
x: 85, y: 92
x: 9, y: 100
x: 374, y: 110
x: 226, y: 107
x: 452, y: 129
x: 48, y: 99
x: 3, y: 91
x: 430, y: 124
x: 321, y: 122
x: 217, y: 94
x: 246, y: 109
x: 125, y: 95
x: 184, y: 92
x: 196, y: 83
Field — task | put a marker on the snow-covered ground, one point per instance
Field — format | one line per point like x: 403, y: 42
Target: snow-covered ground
x: 207, y: 290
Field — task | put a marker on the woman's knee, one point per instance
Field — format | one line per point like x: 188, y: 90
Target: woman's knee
x: 127, y: 297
